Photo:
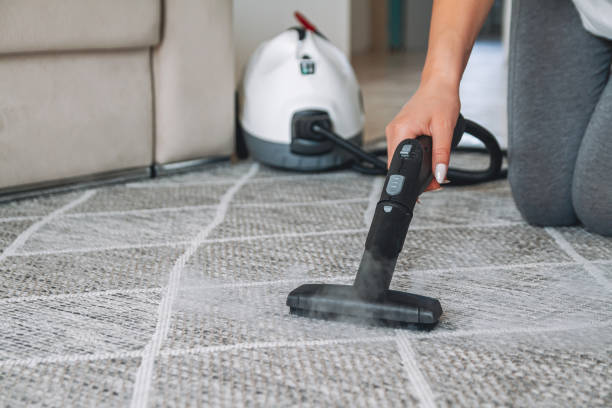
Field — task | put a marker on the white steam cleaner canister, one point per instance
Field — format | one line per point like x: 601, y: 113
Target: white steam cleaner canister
x: 289, y: 82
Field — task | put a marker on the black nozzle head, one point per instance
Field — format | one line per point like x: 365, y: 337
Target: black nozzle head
x: 342, y: 302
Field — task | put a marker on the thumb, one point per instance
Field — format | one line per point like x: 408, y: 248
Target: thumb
x: 442, y: 135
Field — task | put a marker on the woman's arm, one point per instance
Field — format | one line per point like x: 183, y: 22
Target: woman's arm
x: 434, y: 108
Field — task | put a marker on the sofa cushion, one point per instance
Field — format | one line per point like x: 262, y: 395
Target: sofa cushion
x: 52, y: 25
x: 74, y: 114
x: 194, y: 82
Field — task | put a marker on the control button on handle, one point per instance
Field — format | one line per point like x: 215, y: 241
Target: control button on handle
x: 405, y: 152
x: 395, y: 184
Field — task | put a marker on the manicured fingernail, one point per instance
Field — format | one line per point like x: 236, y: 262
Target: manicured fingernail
x: 440, y: 173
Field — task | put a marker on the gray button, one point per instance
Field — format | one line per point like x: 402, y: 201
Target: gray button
x: 406, y: 150
x: 395, y: 184
x: 387, y: 208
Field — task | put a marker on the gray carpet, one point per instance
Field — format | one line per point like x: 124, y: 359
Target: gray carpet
x: 171, y: 292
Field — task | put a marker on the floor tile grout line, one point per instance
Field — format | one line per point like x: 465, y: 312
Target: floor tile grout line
x: 75, y: 358
x: 258, y: 237
x: 25, y: 235
x: 247, y: 284
x: 592, y: 269
x: 416, y: 377
x: 142, y: 383
x: 78, y: 295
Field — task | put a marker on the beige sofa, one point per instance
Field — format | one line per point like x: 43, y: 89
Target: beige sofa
x: 95, y: 88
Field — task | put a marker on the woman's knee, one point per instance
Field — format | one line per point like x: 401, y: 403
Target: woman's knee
x: 539, y: 200
x: 591, y: 200
x: 593, y: 207
x: 591, y: 187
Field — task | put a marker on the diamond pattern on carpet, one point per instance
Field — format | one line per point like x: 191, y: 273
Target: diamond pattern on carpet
x: 332, y: 375
x: 85, y: 272
x: 122, y: 199
x: 103, y: 231
x: 81, y: 325
x: 171, y: 292
x: 107, y: 383
x: 10, y: 230
x: 523, y: 369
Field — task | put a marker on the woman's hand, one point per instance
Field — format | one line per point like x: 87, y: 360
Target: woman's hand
x: 433, y: 110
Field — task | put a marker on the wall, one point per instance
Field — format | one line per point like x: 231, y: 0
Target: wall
x: 506, y: 27
x: 259, y: 20
x: 418, y: 14
x: 379, y: 14
x: 361, y: 36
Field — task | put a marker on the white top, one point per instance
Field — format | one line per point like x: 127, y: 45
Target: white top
x: 596, y: 16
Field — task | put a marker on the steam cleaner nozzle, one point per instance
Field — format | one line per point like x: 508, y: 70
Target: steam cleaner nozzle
x: 369, y: 298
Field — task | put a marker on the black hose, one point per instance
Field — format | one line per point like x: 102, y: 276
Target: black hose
x: 459, y: 177
x: 352, y: 148
x: 370, y: 163
x: 372, y: 171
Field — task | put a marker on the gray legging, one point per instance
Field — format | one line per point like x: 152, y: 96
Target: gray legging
x: 560, y: 117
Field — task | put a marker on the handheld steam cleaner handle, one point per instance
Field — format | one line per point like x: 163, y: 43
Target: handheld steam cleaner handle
x: 408, y: 176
